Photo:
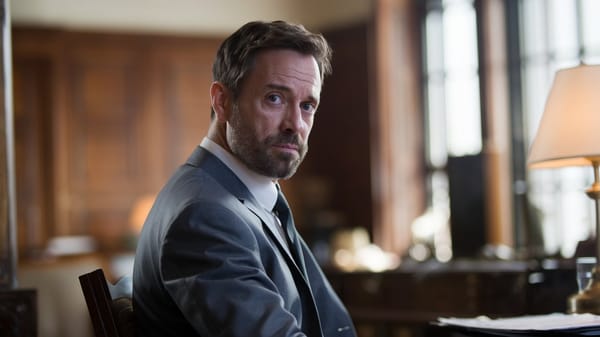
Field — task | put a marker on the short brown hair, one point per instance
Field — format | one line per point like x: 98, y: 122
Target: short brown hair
x: 236, y: 54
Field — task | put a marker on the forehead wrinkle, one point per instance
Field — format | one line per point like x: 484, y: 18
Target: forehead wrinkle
x: 296, y: 74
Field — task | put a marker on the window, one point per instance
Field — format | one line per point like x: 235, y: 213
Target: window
x: 452, y: 103
x: 550, y: 206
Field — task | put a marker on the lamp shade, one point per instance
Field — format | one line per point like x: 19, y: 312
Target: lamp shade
x: 569, y: 131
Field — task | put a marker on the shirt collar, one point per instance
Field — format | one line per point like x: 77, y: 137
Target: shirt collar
x: 263, y: 188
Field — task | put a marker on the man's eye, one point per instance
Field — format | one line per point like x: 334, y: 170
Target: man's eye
x: 274, y: 98
x: 309, y: 107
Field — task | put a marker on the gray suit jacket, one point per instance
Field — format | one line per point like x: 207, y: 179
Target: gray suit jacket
x: 209, y: 263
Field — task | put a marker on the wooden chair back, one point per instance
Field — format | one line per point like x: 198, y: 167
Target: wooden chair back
x: 110, y: 317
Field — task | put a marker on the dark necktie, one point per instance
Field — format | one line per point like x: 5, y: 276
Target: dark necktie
x: 283, y: 212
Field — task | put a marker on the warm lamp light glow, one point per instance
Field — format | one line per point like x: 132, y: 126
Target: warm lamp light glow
x: 568, y: 134
x: 139, y: 212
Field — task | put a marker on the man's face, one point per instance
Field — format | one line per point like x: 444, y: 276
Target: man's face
x: 270, y: 123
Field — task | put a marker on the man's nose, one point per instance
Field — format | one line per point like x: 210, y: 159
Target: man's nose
x: 293, y: 121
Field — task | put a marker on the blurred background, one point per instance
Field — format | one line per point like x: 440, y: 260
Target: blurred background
x: 418, y: 153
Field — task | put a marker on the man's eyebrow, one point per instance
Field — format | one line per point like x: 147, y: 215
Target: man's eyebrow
x: 278, y: 87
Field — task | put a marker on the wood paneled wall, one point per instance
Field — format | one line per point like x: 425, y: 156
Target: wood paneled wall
x: 101, y: 120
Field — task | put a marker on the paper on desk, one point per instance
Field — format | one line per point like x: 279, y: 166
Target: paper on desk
x: 556, y: 321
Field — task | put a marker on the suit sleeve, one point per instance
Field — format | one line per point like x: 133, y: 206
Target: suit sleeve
x: 211, y: 267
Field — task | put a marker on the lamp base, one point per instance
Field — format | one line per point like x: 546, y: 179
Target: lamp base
x: 586, y: 301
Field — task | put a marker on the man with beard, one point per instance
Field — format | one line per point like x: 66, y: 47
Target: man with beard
x: 219, y: 254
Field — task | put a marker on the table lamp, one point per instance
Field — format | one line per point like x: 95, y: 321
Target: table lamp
x: 568, y: 135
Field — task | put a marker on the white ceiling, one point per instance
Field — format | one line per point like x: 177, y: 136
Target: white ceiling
x: 212, y: 17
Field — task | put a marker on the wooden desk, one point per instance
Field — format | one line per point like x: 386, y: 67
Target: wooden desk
x: 403, y: 302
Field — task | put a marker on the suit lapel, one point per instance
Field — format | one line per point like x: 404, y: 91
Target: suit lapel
x: 267, y: 219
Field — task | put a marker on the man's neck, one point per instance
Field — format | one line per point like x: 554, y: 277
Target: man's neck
x: 263, y: 188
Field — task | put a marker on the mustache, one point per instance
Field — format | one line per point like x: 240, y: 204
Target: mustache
x: 285, y: 138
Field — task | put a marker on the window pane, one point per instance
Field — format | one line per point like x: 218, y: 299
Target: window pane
x: 533, y: 35
x: 562, y: 28
x: 460, y: 37
x: 435, y: 101
x: 463, y: 114
x: 434, y: 42
x: 436, y: 126
x: 591, y: 26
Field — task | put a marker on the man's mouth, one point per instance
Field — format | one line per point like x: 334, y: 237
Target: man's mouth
x: 287, y: 147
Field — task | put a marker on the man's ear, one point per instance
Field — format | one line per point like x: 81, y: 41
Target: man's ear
x: 220, y: 100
